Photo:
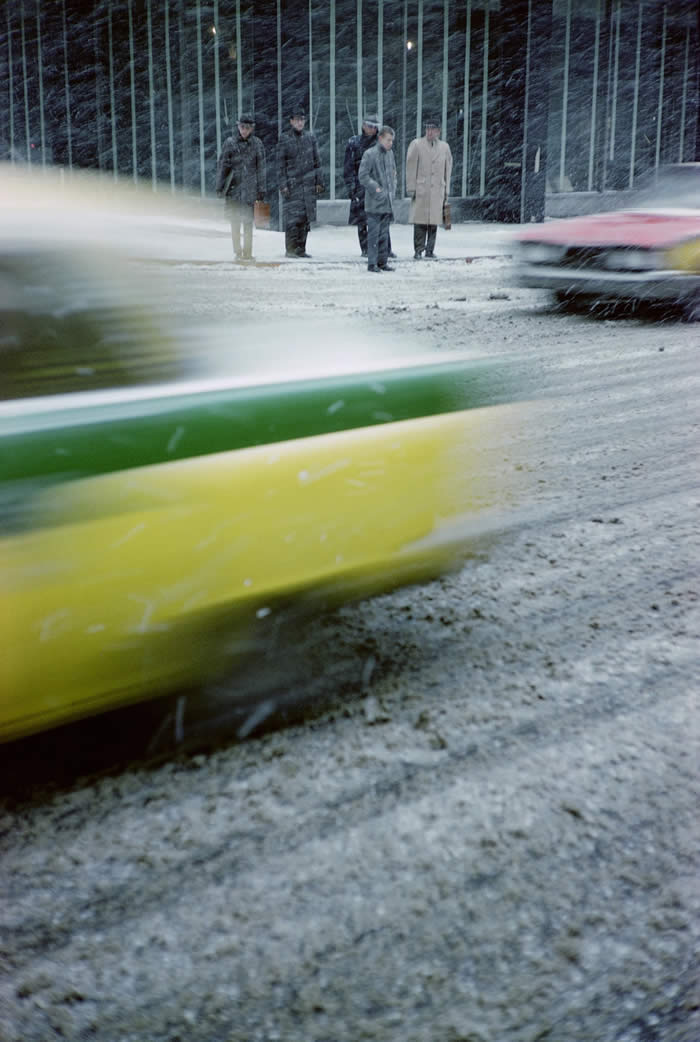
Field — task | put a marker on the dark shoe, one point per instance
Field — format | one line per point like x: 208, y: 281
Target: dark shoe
x: 374, y: 268
x: 392, y: 254
x: 386, y: 267
x: 294, y: 256
x: 364, y: 253
x: 418, y: 255
x: 430, y: 256
x: 305, y: 256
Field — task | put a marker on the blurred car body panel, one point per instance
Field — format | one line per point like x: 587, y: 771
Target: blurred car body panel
x: 143, y: 578
x: 94, y: 434
x: 166, y: 502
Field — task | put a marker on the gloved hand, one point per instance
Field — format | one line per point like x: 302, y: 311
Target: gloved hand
x: 320, y: 189
x: 260, y: 197
x: 285, y: 193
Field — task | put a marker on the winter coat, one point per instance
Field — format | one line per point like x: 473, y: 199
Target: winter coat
x: 354, y: 151
x: 378, y: 170
x: 243, y: 161
x: 428, y: 172
x: 299, y: 174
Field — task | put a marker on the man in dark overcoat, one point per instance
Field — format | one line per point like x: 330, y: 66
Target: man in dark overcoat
x: 354, y: 151
x: 299, y: 180
x: 240, y: 179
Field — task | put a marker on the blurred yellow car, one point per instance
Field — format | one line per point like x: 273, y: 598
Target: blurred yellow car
x: 155, y: 521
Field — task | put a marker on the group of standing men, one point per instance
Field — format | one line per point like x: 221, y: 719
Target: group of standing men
x: 370, y: 178
x: 241, y: 182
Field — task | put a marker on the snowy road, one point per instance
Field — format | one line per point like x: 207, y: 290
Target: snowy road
x: 485, y: 828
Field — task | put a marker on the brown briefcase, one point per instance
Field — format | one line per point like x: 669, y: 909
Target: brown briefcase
x: 262, y: 215
x: 446, y: 217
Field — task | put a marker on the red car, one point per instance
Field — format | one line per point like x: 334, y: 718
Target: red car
x: 649, y: 252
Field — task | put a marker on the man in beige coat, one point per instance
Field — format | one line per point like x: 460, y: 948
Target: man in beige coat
x: 428, y: 172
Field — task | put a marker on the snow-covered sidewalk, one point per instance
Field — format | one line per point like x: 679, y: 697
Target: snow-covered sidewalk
x: 207, y: 240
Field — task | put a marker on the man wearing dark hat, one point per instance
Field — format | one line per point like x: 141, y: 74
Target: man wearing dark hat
x: 299, y: 180
x: 428, y: 172
x: 240, y: 179
x: 354, y: 151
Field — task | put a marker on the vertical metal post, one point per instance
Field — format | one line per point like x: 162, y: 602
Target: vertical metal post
x: 403, y: 96
x: 112, y: 103
x: 66, y: 89
x: 606, y: 121
x: 380, y: 61
x: 594, y: 98
x: 27, y: 134
x: 40, y: 64
x: 616, y: 73
x: 358, y: 64
x: 185, y: 136
x: 151, y: 97
x: 466, y: 101
x: 200, y: 101
x: 684, y: 97
x: 279, y: 66
x: 445, y: 61
x: 484, y: 101
x: 239, y: 67
x: 169, y: 90
x: 660, y: 107
x: 526, y: 104
x: 97, y: 45
x: 134, y: 154
x: 11, y: 87
x: 419, y: 72
x: 635, y: 101
x: 332, y: 99
x: 217, y: 91
x: 565, y: 96
x: 311, y: 68
x: 279, y: 94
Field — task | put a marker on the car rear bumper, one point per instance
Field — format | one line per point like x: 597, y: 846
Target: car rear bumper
x: 638, y: 285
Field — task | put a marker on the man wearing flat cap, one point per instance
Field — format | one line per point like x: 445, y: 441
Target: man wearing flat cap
x: 240, y: 180
x: 299, y: 180
x: 428, y: 172
x: 354, y: 151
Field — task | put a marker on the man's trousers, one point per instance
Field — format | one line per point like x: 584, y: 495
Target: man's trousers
x: 378, y: 238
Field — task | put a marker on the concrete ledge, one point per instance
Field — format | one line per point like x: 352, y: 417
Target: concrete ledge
x: 470, y: 208
x: 332, y: 211
x: 486, y: 208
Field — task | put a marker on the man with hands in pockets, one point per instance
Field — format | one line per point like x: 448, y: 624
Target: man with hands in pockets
x: 378, y: 176
x: 428, y: 172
